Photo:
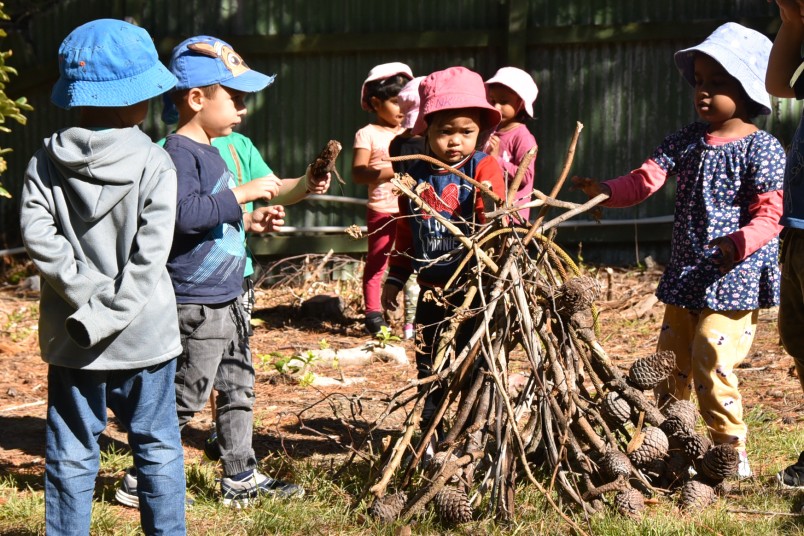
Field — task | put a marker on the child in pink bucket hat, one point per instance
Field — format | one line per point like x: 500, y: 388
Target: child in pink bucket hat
x: 512, y: 91
x: 452, y: 116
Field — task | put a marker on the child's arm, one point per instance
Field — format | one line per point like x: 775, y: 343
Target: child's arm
x: 765, y: 178
x: 294, y: 190
x: 628, y: 190
x: 264, y: 219
x: 400, y: 263
x: 113, y: 307
x: 54, y: 257
x: 766, y: 210
x: 265, y: 188
x: 785, y: 55
x: 197, y: 213
x: 363, y: 174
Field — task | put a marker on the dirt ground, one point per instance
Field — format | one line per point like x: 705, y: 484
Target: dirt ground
x: 629, y: 326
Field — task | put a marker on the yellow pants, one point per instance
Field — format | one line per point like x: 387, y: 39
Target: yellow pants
x: 708, y: 346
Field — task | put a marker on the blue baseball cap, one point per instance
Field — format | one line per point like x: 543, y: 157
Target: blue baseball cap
x: 109, y: 62
x: 203, y: 60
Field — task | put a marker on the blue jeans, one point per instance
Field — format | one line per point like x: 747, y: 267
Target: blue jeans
x: 144, y: 402
x: 215, y: 353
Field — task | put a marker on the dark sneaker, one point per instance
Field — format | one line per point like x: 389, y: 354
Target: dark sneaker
x: 793, y: 476
x: 212, y: 449
x: 127, y: 492
x: 374, y: 322
x: 239, y: 493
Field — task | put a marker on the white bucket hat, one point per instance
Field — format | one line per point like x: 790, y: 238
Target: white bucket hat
x: 519, y: 82
x: 742, y: 52
x: 409, y: 102
x: 381, y: 72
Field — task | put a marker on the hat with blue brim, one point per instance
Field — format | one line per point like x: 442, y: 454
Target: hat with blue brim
x: 204, y: 60
x: 741, y: 51
x: 109, y: 63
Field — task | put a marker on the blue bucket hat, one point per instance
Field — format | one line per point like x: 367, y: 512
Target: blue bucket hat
x: 203, y: 60
x: 109, y: 62
x: 742, y: 52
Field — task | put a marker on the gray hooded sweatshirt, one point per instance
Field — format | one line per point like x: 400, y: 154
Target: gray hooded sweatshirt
x: 97, y: 217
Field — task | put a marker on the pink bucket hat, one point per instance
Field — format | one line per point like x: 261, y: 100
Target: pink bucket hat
x: 453, y: 88
x: 519, y: 82
x: 409, y: 102
x: 381, y: 72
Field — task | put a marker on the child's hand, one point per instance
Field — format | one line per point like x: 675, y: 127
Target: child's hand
x: 725, y: 253
x: 263, y: 188
x: 390, y: 297
x: 591, y: 187
x: 267, y: 219
x: 791, y: 11
x: 317, y: 185
x: 493, y: 145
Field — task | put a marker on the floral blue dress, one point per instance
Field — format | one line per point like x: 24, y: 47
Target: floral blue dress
x: 715, y: 187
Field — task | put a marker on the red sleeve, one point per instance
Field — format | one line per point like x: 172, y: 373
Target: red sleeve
x: 632, y: 189
x: 764, y: 225
x: 490, y: 172
x: 400, y: 263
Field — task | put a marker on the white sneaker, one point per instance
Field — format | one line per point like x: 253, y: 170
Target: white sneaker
x: 744, y: 468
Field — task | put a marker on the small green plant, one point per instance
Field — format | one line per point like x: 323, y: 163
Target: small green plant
x: 323, y: 344
x: 307, y: 379
x: 385, y: 336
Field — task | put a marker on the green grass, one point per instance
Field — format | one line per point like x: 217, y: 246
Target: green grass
x: 332, y: 507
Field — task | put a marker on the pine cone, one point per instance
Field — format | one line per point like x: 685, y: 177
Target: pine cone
x: 694, y: 446
x: 696, y: 495
x: 674, y: 425
x: 720, y: 462
x: 388, y: 507
x: 614, y: 408
x: 577, y: 294
x: 684, y: 410
x: 723, y: 488
x: 647, y: 372
x: 629, y: 502
x: 654, y: 447
x: 452, y: 505
x: 614, y: 464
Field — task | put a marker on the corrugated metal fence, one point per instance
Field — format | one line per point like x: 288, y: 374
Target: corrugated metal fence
x: 605, y: 63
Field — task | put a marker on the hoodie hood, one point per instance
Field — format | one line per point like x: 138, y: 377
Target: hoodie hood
x: 96, y: 166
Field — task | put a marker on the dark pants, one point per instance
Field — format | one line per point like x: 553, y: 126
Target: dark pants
x: 791, y: 306
x: 215, y: 353
x: 433, y: 318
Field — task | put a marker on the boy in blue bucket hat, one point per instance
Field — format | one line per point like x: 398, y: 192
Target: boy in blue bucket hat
x: 207, y: 261
x: 97, y: 219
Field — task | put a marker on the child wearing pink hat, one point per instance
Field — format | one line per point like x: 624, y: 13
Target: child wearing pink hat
x: 452, y: 116
x: 371, y: 167
x: 512, y: 91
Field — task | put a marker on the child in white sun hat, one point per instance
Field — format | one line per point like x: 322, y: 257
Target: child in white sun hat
x: 512, y: 91
x: 723, y: 264
x: 371, y: 168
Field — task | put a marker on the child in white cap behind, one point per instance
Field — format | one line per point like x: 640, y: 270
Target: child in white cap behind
x: 371, y: 167
x: 723, y: 264
x: 512, y: 91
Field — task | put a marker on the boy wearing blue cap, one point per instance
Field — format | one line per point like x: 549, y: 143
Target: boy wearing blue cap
x: 207, y: 260
x: 97, y: 219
